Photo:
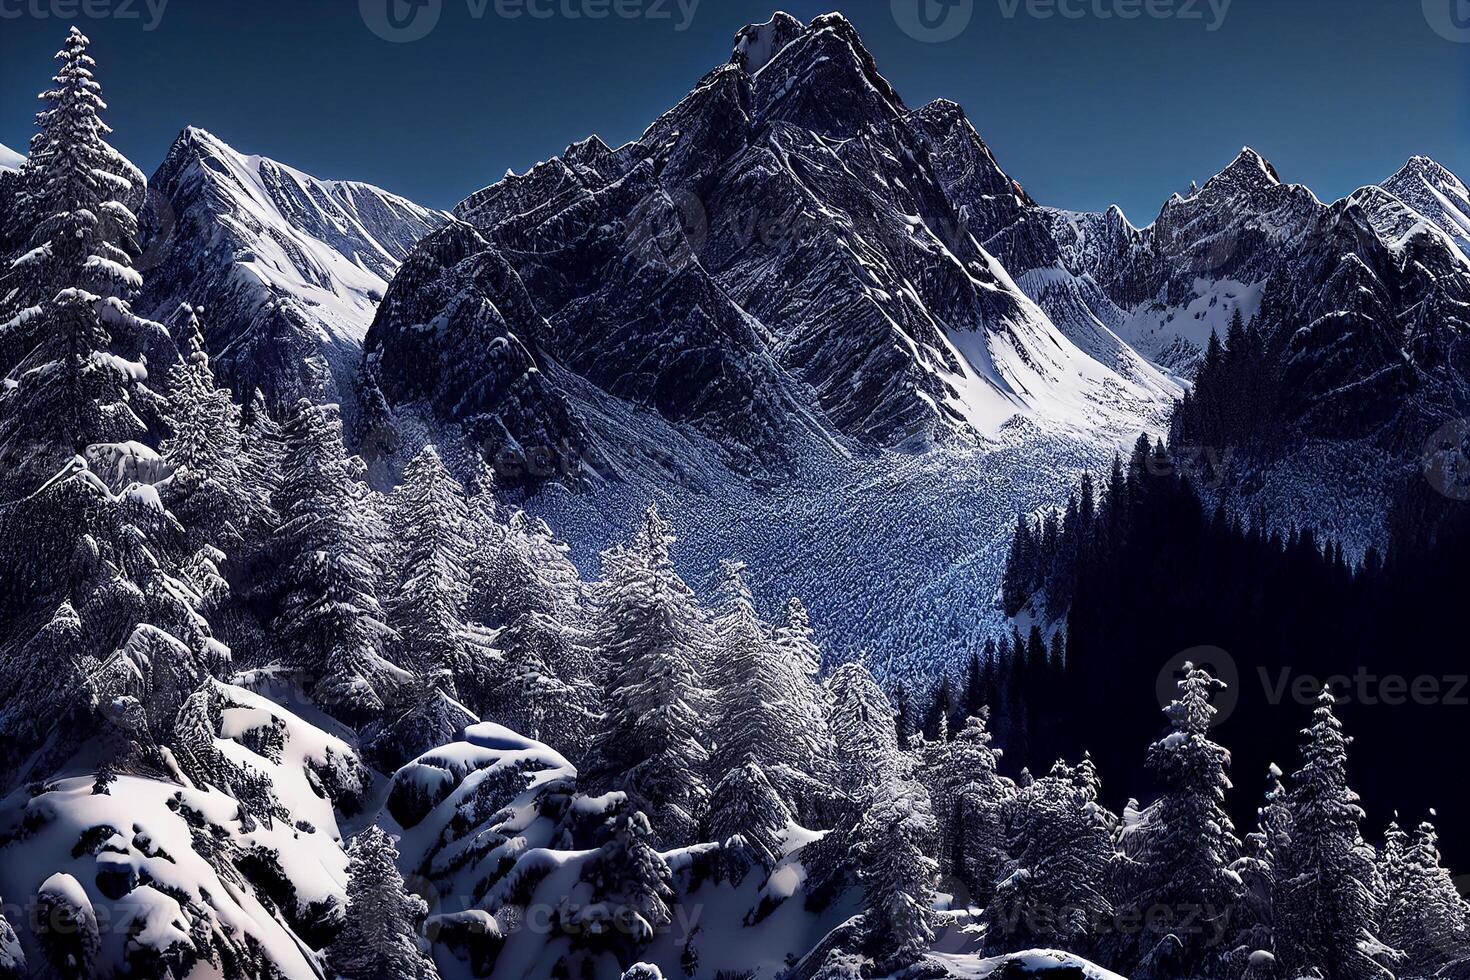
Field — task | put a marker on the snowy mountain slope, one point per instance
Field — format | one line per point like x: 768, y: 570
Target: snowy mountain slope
x: 182, y: 875
x: 1203, y: 257
x: 9, y: 159
x: 289, y: 268
x: 996, y: 209
x: 1247, y: 240
x: 1361, y: 306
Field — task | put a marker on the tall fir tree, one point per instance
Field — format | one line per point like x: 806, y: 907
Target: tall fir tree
x: 632, y: 891
x: 1184, y: 845
x: 1056, y: 889
x: 1424, y: 917
x: 748, y: 818
x: 652, y: 739
x: 766, y: 712
x: 328, y: 626
x: 863, y: 730
x: 967, y: 795
x: 891, y: 849
x: 426, y: 604
x: 381, y: 935
x: 526, y: 589
x: 1328, y: 890
x: 70, y: 390
x: 207, y: 489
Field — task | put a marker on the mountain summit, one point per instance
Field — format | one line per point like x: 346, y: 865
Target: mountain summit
x: 289, y: 268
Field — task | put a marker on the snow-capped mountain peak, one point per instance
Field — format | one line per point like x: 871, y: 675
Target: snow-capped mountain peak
x: 1248, y: 168
x: 1433, y: 191
x: 757, y: 44
x: 824, y: 80
x: 289, y: 267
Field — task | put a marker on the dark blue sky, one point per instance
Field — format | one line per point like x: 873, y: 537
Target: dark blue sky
x: 1084, y: 111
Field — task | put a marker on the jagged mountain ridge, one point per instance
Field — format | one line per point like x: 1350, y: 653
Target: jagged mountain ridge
x: 1247, y: 240
x: 1361, y: 305
x: 1434, y: 192
x: 289, y: 268
x: 775, y: 264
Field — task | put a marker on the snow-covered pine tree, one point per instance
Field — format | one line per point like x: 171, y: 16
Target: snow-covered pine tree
x: 1393, y: 862
x: 381, y: 934
x: 46, y: 680
x: 203, y: 420
x: 1327, y: 886
x: 1257, y: 869
x: 651, y: 741
x: 766, y: 706
x: 160, y: 672
x: 1056, y: 889
x: 891, y: 848
x: 71, y: 391
x: 631, y: 891
x: 1424, y: 916
x: 206, y: 489
x: 261, y: 448
x: 797, y: 639
x: 968, y: 797
x: 524, y: 586
x: 863, y: 730
x: 748, y: 818
x: 796, y: 644
x: 426, y: 607
x: 328, y: 624
x: 1183, y: 846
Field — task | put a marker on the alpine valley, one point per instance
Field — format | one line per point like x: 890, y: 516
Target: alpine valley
x: 689, y: 559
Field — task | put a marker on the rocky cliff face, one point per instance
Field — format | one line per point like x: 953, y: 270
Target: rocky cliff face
x: 784, y: 260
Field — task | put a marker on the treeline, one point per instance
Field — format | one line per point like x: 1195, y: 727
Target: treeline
x: 1152, y: 574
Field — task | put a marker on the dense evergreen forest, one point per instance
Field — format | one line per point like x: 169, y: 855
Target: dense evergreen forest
x: 1140, y: 574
